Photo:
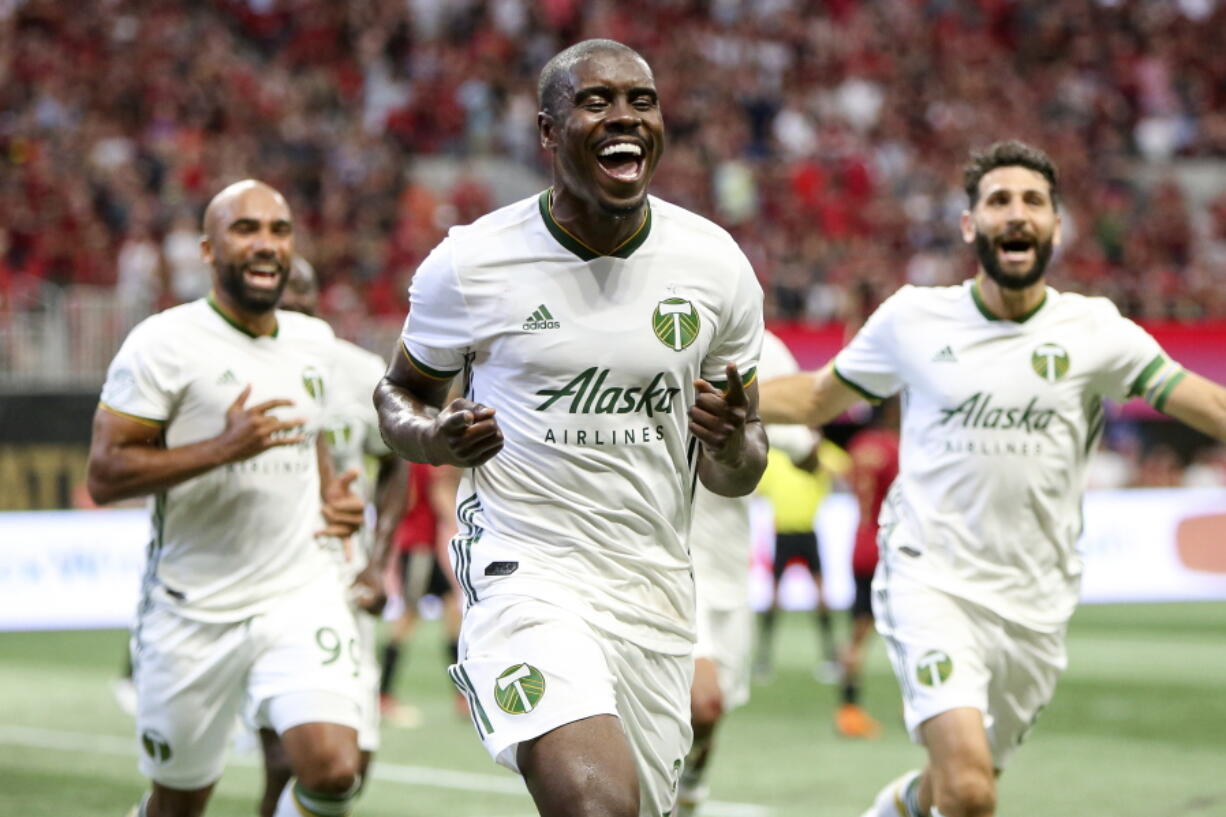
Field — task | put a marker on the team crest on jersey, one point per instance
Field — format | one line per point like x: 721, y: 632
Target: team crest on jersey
x: 675, y: 323
x: 1050, y: 362
x: 934, y: 668
x: 156, y: 746
x: 313, y: 381
x: 519, y: 689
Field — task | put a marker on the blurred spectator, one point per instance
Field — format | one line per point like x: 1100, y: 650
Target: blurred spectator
x: 821, y: 133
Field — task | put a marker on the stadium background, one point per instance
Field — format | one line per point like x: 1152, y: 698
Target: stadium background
x: 826, y: 136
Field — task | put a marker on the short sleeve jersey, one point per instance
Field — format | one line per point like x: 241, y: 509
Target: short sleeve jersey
x: 999, y: 420
x: 352, y: 432
x: 589, y: 361
x: 720, y: 533
x: 227, y: 542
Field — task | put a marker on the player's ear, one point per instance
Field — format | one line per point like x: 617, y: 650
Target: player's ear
x: 967, y: 225
x: 206, y: 250
x: 545, y: 128
x: 1057, y: 229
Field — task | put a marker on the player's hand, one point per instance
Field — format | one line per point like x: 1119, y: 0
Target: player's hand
x: 464, y: 434
x: 368, y: 590
x: 718, y: 418
x: 251, y: 430
x: 343, y: 510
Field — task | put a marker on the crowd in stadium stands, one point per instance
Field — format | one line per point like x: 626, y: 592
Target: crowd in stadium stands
x: 822, y: 134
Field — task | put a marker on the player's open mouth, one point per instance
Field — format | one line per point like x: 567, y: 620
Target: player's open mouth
x: 622, y: 161
x: 1016, y: 250
x: 262, y: 275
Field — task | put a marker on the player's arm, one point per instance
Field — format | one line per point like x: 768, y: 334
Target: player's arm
x: 416, y: 426
x: 391, y: 497
x: 808, y: 398
x: 866, y: 462
x: 128, y: 457
x: 733, y: 439
x: 1199, y: 403
x: 342, y: 509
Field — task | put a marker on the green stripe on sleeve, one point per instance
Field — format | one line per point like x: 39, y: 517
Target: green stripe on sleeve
x: 1172, y: 381
x: 428, y: 371
x: 856, y: 387
x: 1142, y: 381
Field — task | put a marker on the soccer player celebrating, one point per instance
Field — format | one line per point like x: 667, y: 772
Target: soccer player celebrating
x: 1004, y: 380
x: 215, y: 407
x: 607, y: 342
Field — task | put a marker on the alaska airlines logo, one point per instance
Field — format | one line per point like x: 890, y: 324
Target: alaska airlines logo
x: 588, y: 395
x: 977, y: 411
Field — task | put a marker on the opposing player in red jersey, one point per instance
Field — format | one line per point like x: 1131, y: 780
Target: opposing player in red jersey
x: 874, y: 458
x: 421, y: 540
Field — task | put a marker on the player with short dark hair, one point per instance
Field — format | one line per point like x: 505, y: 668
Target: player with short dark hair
x: 607, y: 342
x: 1004, y: 381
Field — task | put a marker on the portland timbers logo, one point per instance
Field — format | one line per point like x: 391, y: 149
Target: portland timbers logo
x: 1050, y: 362
x: 156, y: 746
x: 313, y: 380
x: 934, y: 668
x: 675, y: 322
x: 519, y: 689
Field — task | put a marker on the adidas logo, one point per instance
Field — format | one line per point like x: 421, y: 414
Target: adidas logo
x: 541, y: 319
x: 227, y: 378
x: 946, y: 355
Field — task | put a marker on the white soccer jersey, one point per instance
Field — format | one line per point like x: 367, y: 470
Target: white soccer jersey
x: 999, y: 420
x: 352, y: 432
x: 228, y: 542
x: 590, y: 362
x: 719, y: 533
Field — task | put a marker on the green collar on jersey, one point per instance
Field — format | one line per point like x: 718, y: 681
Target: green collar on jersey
x: 572, y: 243
x: 977, y: 297
x: 217, y: 308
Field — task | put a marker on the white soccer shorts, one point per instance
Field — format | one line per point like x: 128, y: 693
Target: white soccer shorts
x: 193, y: 678
x: 726, y: 638
x: 949, y: 653
x: 528, y: 667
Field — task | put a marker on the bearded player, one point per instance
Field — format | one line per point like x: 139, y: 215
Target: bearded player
x: 1003, y: 380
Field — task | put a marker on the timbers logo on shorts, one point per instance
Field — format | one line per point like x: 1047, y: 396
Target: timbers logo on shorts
x: 934, y: 668
x: 519, y: 689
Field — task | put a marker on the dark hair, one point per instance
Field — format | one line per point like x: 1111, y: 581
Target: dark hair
x: 1009, y: 154
x: 553, y: 87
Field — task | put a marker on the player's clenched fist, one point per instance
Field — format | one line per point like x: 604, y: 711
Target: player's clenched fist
x: 464, y: 434
x: 718, y: 418
x: 251, y: 430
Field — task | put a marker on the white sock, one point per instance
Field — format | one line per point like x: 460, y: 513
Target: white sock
x: 296, y: 801
x: 910, y: 799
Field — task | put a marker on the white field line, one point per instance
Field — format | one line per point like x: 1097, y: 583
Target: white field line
x: 409, y: 775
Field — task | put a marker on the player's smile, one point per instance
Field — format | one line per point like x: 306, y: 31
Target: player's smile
x: 622, y: 159
x: 1016, y: 251
x: 264, y: 274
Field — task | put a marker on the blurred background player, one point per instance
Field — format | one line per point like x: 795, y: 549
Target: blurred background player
x: 874, y: 465
x: 421, y: 541
x: 798, y: 478
x: 241, y: 604
x: 352, y: 433
x: 720, y: 545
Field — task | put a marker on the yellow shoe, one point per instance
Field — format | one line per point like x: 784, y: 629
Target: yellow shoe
x: 852, y: 721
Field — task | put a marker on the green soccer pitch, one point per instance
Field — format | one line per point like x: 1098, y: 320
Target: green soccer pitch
x: 1136, y: 730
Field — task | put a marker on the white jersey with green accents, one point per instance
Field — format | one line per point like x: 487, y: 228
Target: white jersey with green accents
x: 352, y: 433
x: 227, y: 543
x: 589, y: 361
x: 720, y: 534
x: 999, y: 420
